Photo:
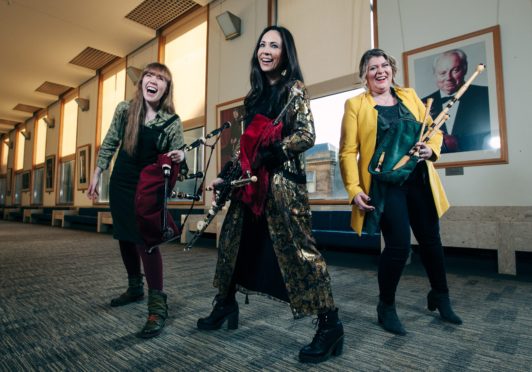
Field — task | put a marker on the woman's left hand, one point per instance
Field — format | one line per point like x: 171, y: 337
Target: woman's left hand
x: 425, y: 152
x: 177, y: 156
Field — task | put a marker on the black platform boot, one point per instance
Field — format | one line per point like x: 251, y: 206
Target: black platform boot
x: 329, y: 339
x: 442, y: 302
x: 389, y: 320
x: 157, y: 314
x: 224, y: 309
x: 134, y: 292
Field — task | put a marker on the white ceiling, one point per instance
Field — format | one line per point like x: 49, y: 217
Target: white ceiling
x: 38, y: 38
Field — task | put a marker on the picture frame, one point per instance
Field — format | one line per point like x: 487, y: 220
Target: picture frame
x: 9, y: 181
x: 477, y: 122
x: 82, y: 167
x: 49, y: 173
x: 25, y: 181
x: 233, y: 112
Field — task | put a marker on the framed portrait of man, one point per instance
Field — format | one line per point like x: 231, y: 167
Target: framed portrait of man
x: 475, y: 131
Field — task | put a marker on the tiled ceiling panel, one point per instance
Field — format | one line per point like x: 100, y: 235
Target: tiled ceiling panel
x: 157, y: 13
x: 52, y: 88
x: 27, y: 108
x: 93, y: 58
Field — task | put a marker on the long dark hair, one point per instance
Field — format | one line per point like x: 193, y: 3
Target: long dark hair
x: 137, y: 110
x: 290, y: 72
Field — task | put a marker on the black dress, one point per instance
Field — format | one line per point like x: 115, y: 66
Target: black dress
x: 257, y: 267
x: 123, y: 184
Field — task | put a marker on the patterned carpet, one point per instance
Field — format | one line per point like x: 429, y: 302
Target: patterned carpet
x: 55, y: 287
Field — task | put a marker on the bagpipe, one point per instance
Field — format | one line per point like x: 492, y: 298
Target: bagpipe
x: 155, y: 188
x: 397, y: 154
x: 260, y: 133
x: 232, y: 179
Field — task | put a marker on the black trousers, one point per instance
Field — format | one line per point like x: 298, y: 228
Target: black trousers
x: 410, y: 205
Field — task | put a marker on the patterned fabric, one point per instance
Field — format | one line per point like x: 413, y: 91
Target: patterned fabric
x: 171, y: 140
x: 289, y: 222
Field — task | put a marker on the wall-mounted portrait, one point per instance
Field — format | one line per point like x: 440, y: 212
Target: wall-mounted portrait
x: 232, y: 112
x: 82, y: 167
x: 475, y: 132
x: 49, y: 173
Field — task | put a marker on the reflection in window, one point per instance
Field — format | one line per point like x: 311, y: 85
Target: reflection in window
x: 311, y: 181
x: 3, y: 191
x: 322, y: 159
x: 18, y: 188
x: 38, y: 179
x: 195, y: 163
x: 66, y: 182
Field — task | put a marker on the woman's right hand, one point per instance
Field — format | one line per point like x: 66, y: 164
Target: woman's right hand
x: 92, y: 192
x: 361, y: 200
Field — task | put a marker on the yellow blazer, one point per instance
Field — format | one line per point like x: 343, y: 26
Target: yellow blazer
x: 357, y: 145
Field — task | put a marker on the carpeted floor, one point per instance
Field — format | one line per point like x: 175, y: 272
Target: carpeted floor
x: 55, y: 287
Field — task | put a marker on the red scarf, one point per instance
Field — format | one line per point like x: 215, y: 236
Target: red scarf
x: 260, y: 133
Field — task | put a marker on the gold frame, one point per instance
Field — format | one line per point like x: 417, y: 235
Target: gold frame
x: 83, y: 159
x: 224, y: 112
x: 483, y: 46
x: 49, y: 173
x: 26, y: 181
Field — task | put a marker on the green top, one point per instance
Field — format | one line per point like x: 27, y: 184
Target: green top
x: 171, y: 140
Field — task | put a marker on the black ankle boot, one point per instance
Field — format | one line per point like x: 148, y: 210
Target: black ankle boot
x: 389, y: 320
x: 442, y: 302
x: 329, y: 339
x: 134, y: 292
x: 223, y: 309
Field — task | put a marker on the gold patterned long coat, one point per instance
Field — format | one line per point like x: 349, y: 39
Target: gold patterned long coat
x: 289, y: 222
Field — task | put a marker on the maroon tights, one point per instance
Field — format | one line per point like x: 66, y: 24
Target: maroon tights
x: 133, y: 253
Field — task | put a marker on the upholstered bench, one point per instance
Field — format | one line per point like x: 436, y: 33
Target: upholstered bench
x: 333, y: 229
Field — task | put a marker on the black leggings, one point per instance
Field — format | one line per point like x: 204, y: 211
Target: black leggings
x: 411, y: 204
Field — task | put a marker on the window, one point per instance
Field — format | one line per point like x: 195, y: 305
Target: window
x: 18, y: 188
x: 19, y: 151
x: 3, y: 191
x: 38, y: 177
x: 322, y: 159
x: 185, y: 54
x: 113, y: 91
x: 66, y: 182
x: 69, y: 128
x: 311, y: 181
x: 4, y: 152
x: 40, y: 141
x: 195, y: 164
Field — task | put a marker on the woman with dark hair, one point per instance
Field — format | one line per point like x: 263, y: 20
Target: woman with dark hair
x: 370, y: 120
x: 141, y: 129
x: 266, y: 244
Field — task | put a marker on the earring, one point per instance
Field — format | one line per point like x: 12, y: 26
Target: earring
x: 283, y: 73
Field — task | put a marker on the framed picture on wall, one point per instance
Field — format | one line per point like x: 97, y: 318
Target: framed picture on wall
x: 475, y: 132
x: 232, y: 112
x: 9, y: 181
x: 49, y: 173
x: 26, y: 180
x: 82, y: 167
